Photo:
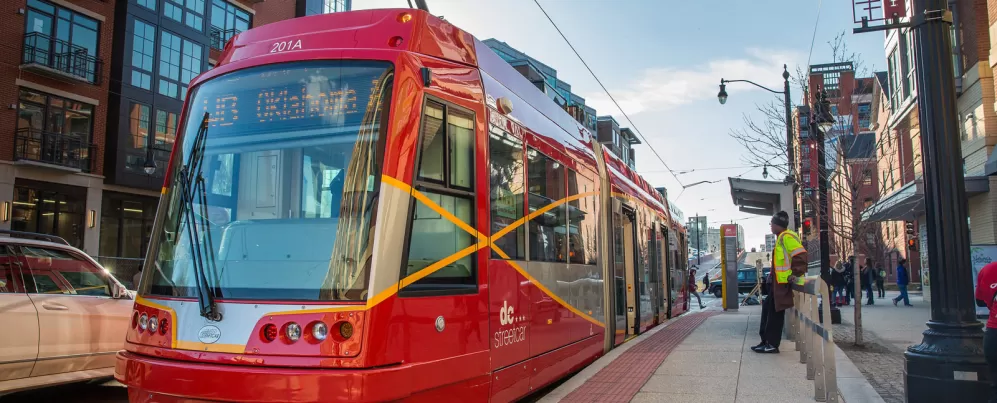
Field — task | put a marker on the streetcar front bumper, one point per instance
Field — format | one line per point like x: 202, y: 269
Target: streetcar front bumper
x: 158, y: 380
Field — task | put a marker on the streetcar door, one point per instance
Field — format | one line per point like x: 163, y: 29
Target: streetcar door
x: 631, y: 271
x: 619, y: 274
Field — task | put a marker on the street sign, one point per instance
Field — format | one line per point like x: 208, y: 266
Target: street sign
x: 878, y: 15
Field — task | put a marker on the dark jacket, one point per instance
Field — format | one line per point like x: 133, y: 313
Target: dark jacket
x: 837, y: 278
x: 849, y: 273
x: 902, y: 275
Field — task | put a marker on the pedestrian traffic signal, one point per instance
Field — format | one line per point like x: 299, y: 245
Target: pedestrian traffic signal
x: 807, y: 226
x: 912, y: 244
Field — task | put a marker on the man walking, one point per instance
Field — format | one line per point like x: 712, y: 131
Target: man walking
x: 868, y: 277
x: 789, y: 264
x: 902, y: 282
x: 693, y: 288
x: 880, y: 278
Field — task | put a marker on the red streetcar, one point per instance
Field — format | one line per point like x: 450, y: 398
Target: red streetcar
x: 373, y: 206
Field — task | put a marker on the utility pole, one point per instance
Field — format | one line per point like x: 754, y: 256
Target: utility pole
x: 948, y: 365
x: 821, y: 121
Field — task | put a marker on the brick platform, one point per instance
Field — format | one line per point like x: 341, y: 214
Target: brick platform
x: 622, y: 379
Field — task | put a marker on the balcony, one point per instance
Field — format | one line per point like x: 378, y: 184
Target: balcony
x: 220, y: 37
x: 54, y: 150
x: 59, y: 59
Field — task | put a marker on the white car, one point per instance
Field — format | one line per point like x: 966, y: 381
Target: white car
x: 64, y: 316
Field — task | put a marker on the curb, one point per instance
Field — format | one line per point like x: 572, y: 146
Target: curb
x: 852, y: 385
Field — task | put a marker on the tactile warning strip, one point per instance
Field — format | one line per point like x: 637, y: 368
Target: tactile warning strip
x: 622, y: 379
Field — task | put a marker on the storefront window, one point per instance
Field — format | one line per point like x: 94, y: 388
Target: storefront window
x: 49, y: 209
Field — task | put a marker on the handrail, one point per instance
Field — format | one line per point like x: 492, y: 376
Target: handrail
x: 220, y: 37
x: 814, y: 341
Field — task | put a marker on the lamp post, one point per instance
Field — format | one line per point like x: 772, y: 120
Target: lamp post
x: 790, y: 176
x: 822, y: 122
x: 150, y: 162
x: 948, y: 365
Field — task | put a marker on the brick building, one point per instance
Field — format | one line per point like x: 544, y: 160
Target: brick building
x: 94, y: 90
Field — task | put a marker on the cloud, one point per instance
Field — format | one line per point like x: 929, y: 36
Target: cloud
x: 666, y: 88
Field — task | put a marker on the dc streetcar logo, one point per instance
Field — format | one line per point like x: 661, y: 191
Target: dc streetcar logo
x: 209, y: 334
x: 505, y: 314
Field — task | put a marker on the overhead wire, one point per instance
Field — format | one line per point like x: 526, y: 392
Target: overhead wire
x: 814, y: 37
x: 611, y: 98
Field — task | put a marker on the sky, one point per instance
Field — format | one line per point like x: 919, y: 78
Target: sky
x: 662, y: 60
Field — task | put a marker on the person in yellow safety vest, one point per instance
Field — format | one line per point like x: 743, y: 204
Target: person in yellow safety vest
x: 789, y: 265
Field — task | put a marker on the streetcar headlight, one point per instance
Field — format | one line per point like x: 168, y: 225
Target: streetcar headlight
x: 319, y: 331
x: 143, y: 321
x: 292, y: 331
x: 153, y: 324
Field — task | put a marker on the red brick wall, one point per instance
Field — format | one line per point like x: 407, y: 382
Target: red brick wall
x: 273, y: 11
x: 12, y: 30
x: 973, y: 31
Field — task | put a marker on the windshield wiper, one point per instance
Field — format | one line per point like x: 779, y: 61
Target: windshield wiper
x: 191, y: 182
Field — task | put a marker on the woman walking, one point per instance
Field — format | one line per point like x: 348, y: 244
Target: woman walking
x: 868, y: 277
x: 880, y: 279
x: 838, y: 282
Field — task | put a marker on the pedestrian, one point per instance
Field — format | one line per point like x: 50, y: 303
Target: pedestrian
x: 880, y: 279
x: 849, y: 280
x: 693, y: 288
x: 985, y: 284
x: 868, y: 278
x: 136, y: 278
x: 902, y: 282
x: 838, y: 282
x: 789, y: 264
x: 706, y: 282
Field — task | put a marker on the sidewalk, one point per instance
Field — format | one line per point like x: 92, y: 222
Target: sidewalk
x: 701, y: 357
x: 887, y: 331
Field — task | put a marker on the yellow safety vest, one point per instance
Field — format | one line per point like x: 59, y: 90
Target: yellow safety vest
x: 786, y: 247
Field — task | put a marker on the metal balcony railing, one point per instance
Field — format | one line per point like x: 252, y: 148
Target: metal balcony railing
x: 53, y: 148
x: 220, y: 37
x: 60, y: 57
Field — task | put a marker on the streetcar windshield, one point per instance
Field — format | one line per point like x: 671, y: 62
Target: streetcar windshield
x: 272, y: 191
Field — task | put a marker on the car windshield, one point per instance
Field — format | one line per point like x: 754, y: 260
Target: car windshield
x: 272, y: 191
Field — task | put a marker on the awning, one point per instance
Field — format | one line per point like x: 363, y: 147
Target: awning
x: 761, y: 197
x: 907, y: 203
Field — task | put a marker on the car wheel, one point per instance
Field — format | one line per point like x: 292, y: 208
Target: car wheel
x: 717, y: 293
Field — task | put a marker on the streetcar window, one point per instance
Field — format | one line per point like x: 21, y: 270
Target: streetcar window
x: 441, y: 253
x: 279, y: 196
x: 548, y: 240
x: 583, y: 216
x: 506, y: 172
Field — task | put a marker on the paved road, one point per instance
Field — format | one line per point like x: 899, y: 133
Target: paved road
x: 92, y: 392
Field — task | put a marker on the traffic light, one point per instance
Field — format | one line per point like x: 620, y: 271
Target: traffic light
x: 911, y: 235
x: 807, y: 226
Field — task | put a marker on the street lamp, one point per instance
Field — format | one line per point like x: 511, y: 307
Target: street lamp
x: 150, y: 162
x: 790, y: 177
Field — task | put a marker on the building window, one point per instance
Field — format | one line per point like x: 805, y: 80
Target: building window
x: 227, y: 20
x: 187, y: 12
x: 867, y: 176
x: 150, y: 4
x: 179, y: 62
x: 315, y: 7
x: 49, y: 209
x: 583, y: 214
x: 54, y: 130
x: 865, y: 115
x: 139, y: 125
x: 61, y: 39
x: 166, y: 129
x: 143, y: 54
x: 445, y: 178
